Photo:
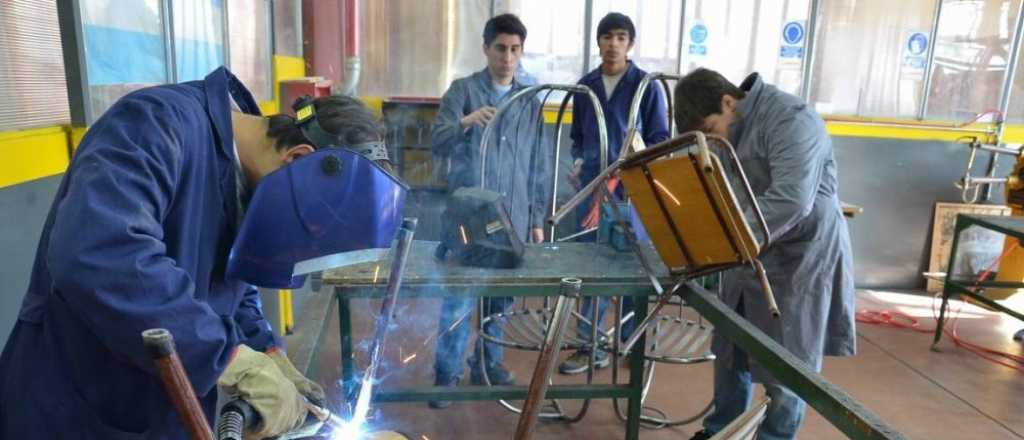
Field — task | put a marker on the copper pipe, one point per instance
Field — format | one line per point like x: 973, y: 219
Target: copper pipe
x: 568, y: 294
x: 160, y: 345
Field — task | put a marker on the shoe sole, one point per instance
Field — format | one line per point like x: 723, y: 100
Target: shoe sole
x: 583, y: 369
x: 439, y: 405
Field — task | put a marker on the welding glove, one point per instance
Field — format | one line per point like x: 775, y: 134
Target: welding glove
x: 313, y: 391
x: 255, y: 378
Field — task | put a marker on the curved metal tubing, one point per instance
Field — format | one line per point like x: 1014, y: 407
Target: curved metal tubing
x: 530, y: 92
x: 634, y: 113
x: 533, y: 90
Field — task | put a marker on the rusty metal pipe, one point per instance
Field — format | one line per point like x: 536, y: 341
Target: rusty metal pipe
x: 569, y: 293
x: 160, y: 345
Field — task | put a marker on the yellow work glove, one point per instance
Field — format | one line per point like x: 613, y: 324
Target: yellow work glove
x: 254, y: 377
x: 313, y: 391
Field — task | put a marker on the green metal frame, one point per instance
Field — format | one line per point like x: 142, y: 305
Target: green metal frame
x: 839, y: 408
x: 1011, y: 226
x: 604, y: 273
x: 631, y: 391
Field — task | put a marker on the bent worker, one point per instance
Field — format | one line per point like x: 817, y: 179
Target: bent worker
x: 787, y: 157
x: 138, y: 237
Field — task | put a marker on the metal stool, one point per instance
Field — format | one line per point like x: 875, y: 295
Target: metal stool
x: 671, y: 339
x: 526, y: 328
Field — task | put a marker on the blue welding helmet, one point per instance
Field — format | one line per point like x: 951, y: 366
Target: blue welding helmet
x: 330, y: 208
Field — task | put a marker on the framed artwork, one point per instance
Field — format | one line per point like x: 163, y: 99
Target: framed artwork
x: 978, y: 247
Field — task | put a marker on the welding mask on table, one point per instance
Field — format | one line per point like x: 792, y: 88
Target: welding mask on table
x: 477, y: 231
x: 331, y: 208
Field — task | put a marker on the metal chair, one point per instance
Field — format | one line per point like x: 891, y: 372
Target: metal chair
x: 686, y: 202
x: 745, y: 426
x: 526, y: 327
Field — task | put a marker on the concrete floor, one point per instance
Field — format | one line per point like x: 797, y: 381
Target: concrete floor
x: 951, y: 394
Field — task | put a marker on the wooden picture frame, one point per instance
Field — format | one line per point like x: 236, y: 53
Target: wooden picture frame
x: 942, y: 234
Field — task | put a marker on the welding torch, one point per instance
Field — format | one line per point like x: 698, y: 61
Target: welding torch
x: 237, y: 415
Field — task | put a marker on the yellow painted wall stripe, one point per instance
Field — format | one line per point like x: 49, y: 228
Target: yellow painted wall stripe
x: 32, y: 154
x: 284, y: 68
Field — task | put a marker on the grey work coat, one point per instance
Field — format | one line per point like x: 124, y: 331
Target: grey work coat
x: 517, y: 164
x: 787, y: 156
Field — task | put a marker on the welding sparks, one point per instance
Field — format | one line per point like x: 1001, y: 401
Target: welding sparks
x: 669, y: 193
x: 411, y: 357
x: 465, y: 237
x: 376, y: 272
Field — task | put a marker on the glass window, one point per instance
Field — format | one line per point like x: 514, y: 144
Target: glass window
x: 870, y: 57
x: 399, y: 47
x: 467, y: 22
x: 249, y: 25
x: 124, y: 49
x: 32, y: 85
x: 1015, y: 113
x: 554, y: 49
x: 656, y: 48
x: 971, y: 53
x: 198, y: 37
x: 288, y: 27
x: 736, y: 38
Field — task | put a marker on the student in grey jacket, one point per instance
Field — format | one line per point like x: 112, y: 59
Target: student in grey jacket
x: 516, y: 167
x: 787, y: 156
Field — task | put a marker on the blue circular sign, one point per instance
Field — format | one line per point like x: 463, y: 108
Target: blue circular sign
x: 917, y: 43
x: 699, y: 33
x: 793, y: 32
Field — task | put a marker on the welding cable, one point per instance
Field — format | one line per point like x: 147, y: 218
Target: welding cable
x: 994, y: 112
x: 892, y: 318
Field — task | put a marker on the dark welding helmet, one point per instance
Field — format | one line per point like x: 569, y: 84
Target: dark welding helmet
x: 331, y: 208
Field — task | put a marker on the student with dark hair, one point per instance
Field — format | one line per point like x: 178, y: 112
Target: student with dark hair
x: 615, y: 83
x: 787, y: 157
x: 515, y: 168
x: 138, y: 237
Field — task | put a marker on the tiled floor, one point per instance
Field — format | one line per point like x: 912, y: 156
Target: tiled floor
x: 926, y: 395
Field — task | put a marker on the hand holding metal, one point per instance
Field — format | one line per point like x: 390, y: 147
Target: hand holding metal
x: 530, y: 92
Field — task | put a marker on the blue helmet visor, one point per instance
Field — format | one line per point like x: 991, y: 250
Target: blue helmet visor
x: 326, y: 209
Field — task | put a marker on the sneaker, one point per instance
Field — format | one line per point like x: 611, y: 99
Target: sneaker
x: 702, y: 435
x: 579, y: 362
x: 498, y: 375
x: 443, y: 381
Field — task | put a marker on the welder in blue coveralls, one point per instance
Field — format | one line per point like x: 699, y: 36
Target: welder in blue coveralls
x: 138, y: 237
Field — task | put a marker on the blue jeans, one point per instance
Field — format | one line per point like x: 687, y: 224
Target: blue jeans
x: 733, y: 392
x: 584, y: 330
x: 451, y: 345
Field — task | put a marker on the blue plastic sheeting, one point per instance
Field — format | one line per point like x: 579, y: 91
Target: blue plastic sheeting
x: 195, y: 59
x: 118, y: 56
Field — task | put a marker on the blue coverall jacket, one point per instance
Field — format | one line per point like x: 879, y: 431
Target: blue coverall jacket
x: 137, y: 237
x: 652, y: 124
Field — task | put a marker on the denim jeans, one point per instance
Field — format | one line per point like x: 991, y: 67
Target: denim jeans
x: 584, y: 330
x: 733, y: 392
x: 451, y: 345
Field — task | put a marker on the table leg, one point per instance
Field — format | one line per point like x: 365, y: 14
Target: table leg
x: 942, y: 318
x: 947, y: 290
x: 347, y: 355
x: 636, y: 375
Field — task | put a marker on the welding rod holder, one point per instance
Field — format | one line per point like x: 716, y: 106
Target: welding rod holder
x: 569, y: 293
x: 160, y: 345
x: 387, y: 309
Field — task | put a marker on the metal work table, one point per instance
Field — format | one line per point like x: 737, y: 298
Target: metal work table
x: 1011, y: 226
x: 604, y: 272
